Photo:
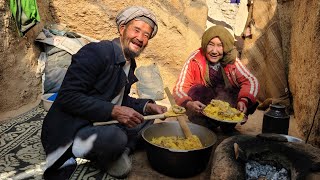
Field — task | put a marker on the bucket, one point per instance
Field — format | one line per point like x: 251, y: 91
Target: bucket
x: 46, y: 102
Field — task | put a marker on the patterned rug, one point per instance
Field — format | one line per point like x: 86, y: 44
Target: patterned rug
x: 21, y: 152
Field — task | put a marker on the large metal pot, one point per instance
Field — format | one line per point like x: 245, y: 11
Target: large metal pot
x: 178, y: 163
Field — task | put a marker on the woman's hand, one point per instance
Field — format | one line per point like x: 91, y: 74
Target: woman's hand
x: 195, y: 106
x: 243, y: 105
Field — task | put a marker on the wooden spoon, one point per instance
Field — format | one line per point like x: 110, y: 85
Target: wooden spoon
x: 184, y: 126
x: 181, y: 119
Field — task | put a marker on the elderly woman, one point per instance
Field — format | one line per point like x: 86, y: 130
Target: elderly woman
x: 95, y: 89
x: 215, y: 72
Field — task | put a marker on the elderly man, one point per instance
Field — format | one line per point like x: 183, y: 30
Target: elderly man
x: 95, y: 89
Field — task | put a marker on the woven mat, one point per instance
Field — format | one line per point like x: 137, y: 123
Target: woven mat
x: 21, y: 152
x: 264, y: 53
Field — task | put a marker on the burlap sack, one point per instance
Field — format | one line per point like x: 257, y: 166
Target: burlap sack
x: 150, y: 84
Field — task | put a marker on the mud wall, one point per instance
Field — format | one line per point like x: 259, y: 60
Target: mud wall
x: 304, y: 68
x: 18, y: 55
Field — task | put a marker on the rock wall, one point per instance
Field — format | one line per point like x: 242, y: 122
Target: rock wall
x: 181, y: 24
x: 304, y: 68
x: 230, y: 15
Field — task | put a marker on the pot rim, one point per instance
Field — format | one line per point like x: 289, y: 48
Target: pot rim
x: 177, y: 150
x: 292, y: 138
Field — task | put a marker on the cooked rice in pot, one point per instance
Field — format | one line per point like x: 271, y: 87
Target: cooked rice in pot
x: 178, y: 143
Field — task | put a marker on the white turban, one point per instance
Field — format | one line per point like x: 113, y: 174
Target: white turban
x: 138, y: 12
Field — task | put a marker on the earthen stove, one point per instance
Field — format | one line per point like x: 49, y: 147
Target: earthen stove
x: 289, y: 160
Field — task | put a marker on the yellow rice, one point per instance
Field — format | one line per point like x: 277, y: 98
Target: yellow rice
x: 222, y: 111
x: 178, y: 143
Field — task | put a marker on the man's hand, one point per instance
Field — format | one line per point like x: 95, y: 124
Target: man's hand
x: 195, y: 106
x: 152, y: 108
x: 126, y: 116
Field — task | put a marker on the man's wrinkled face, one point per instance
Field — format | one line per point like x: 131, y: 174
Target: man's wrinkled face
x: 134, y: 37
x: 214, y: 50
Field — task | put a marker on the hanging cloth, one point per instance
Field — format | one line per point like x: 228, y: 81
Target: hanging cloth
x: 25, y: 13
x: 235, y: 1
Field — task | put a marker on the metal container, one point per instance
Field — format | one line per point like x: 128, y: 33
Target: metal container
x: 276, y: 120
x: 292, y: 139
x: 178, y: 163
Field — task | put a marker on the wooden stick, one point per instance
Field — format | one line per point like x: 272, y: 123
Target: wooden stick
x: 146, y: 118
x: 181, y: 119
x: 184, y: 126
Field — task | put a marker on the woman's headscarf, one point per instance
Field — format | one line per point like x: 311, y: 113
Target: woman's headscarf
x: 229, y: 51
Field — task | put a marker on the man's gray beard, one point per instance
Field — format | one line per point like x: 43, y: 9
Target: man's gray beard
x: 130, y: 54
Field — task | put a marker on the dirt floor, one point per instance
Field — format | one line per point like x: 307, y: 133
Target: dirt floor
x: 13, y: 113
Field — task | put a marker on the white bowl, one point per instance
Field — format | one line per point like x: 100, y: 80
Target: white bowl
x: 46, y: 103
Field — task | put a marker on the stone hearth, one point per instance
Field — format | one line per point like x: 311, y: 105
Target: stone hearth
x: 302, y: 160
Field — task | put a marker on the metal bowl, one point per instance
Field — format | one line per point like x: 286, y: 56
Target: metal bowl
x: 280, y: 137
x: 292, y: 139
x: 178, y: 163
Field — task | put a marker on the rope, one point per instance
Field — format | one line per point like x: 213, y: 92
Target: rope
x: 314, y: 117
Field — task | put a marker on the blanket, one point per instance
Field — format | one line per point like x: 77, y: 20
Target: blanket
x: 264, y: 55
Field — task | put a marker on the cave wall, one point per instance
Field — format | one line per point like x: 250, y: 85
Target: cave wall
x: 19, y: 55
x: 304, y: 67
x: 181, y: 24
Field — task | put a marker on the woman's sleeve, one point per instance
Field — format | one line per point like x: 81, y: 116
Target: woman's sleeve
x: 184, y: 83
x: 249, y: 85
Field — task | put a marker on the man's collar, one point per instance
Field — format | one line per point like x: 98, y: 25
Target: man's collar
x: 120, y: 58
